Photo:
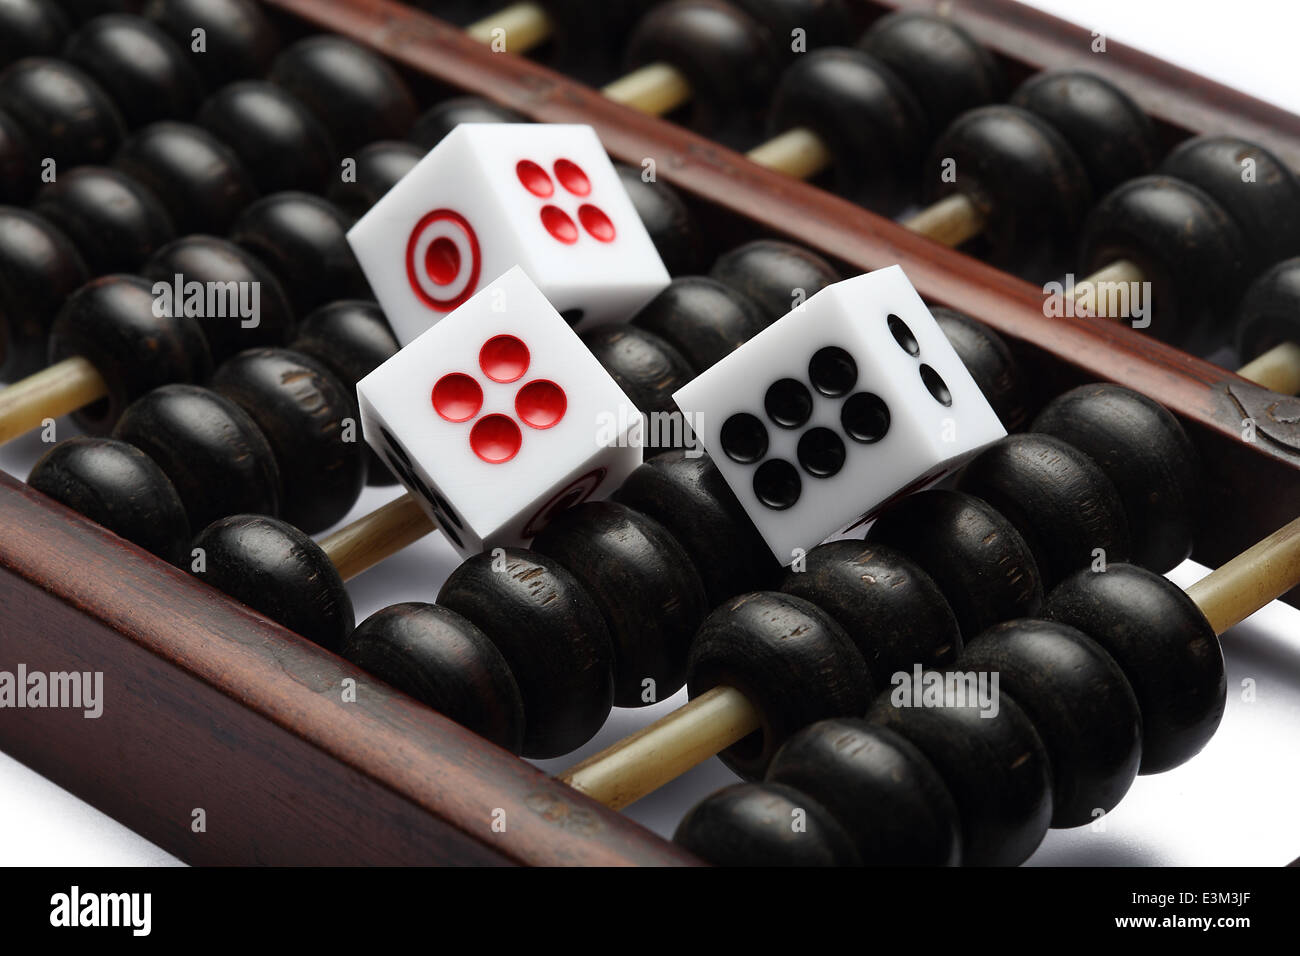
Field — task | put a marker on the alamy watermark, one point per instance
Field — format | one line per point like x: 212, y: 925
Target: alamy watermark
x: 74, y: 690
x: 929, y: 688
x: 212, y: 300
x: 1113, y: 299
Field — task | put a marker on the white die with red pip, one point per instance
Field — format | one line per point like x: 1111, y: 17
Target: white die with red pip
x: 498, y: 418
x: 850, y: 400
x: 491, y: 196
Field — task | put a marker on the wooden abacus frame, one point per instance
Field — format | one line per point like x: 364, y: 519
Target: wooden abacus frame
x: 210, y: 706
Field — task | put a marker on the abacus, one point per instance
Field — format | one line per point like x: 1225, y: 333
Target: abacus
x: 217, y: 705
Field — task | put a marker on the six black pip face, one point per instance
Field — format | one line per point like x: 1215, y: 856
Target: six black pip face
x: 837, y: 407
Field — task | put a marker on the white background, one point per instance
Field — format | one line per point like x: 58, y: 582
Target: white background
x: 1233, y: 804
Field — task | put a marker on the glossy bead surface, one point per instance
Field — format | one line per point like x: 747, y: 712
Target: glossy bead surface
x: 66, y: 115
x: 1166, y: 648
x: 279, y: 141
x: 764, y: 824
x: 881, y: 789
x: 1147, y: 456
x: 116, y: 486
x: 278, y: 571
x: 379, y: 166
x: 112, y: 323
x: 789, y: 658
x: 442, y: 660
x: 115, y: 222
x: 1269, y: 313
x: 673, y: 228
x: 217, y: 459
x: 303, y: 411
x: 200, y: 180
x: 1000, y: 377
x: 443, y: 117
x: 1080, y: 703
x: 775, y: 275
x: 239, y: 41
x: 553, y: 638
x: 1058, y: 498
x: 892, y: 610
x: 39, y: 268
x: 646, y: 587
x: 978, y: 559
x: 30, y: 28
x: 701, y: 318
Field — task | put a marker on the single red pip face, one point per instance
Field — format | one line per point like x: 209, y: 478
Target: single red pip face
x: 496, y: 437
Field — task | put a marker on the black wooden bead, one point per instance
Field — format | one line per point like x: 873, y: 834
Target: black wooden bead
x: 304, y: 412
x: 587, y: 38
x: 1081, y: 704
x: 440, y: 119
x: 995, y: 768
x: 79, y: 11
x: 1166, y: 648
x: 355, y: 93
x: 646, y: 367
x: 995, y: 370
x: 646, y: 587
x: 944, y: 66
x: 119, y: 487
x: 198, y: 178
x: 776, y: 275
x: 239, y: 40
x: 867, y: 117
x: 764, y: 824
x: 18, y: 170
x: 205, y: 260
x: 724, y: 54
x: 1022, y: 174
x: 66, y: 115
x: 1188, y: 247
x: 552, y: 636
x: 1269, y: 313
x: 279, y: 141
x: 303, y: 239
x: 30, y: 28
x: 819, y: 22
x: 112, y: 323
x: 789, y: 658
x: 1147, y: 456
x: 702, y: 319
x: 672, y: 226
x: 444, y: 661
x: 689, y: 497
x: 1255, y: 187
x: 1058, y: 498
x: 218, y: 460
x: 148, y: 76
x: 278, y: 571
x: 379, y: 167
x: 115, y: 222
x: 881, y: 789
x: 892, y: 610
x: 975, y: 555
x: 1109, y: 132
x: 351, y: 338
x: 39, y: 268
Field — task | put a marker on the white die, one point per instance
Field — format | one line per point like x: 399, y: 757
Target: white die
x: 491, y: 196
x: 848, y: 401
x: 498, y: 417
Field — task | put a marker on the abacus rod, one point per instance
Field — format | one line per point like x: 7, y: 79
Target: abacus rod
x: 656, y: 88
x: 378, y: 535
x: 660, y: 752
x: 1278, y: 369
x: 797, y: 152
x: 53, y: 391
x: 1260, y: 574
x: 950, y: 221
x: 524, y: 26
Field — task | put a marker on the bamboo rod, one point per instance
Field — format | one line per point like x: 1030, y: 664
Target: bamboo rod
x: 1260, y: 574
x: 61, y: 388
x: 376, y: 536
x: 657, y: 89
x: 1277, y: 369
x: 645, y: 761
x: 797, y: 152
x: 950, y: 221
x: 523, y: 26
